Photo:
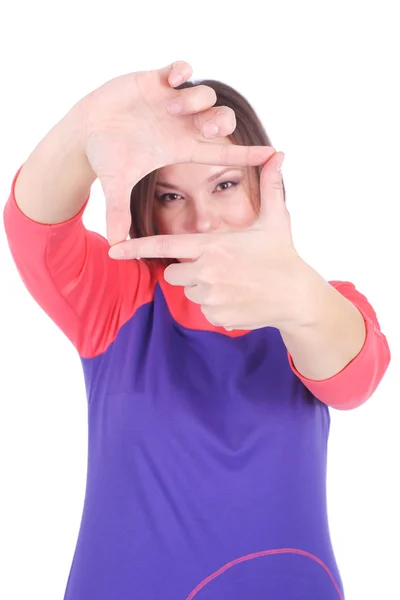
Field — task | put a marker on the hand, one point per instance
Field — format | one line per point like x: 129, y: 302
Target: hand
x: 127, y: 132
x: 242, y: 280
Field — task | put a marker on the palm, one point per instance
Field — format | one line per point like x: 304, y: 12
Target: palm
x: 139, y: 136
x: 128, y: 133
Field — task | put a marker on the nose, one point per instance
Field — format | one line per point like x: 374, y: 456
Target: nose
x: 205, y: 216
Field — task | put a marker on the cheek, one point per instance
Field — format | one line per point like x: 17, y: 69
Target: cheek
x: 241, y: 214
x: 168, y: 222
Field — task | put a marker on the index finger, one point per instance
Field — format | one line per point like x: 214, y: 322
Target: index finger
x: 208, y: 153
x: 161, y: 246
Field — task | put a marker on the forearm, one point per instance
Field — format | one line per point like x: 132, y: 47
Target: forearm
x: 55, y: 180
x: 329, y: 335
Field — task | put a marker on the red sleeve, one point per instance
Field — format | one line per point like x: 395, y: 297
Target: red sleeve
x: 67, y: 270
x: 352, y: 386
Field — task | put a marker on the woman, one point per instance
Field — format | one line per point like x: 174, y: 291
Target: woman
x: 211, y: 364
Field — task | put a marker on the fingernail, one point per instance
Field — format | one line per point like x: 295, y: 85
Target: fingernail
x: 280, y: 162
x: 116, y: 252
x: 176, y: 79
x: 174, y: 108
x: 210, y: 130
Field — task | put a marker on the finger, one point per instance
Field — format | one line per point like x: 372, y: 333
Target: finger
x: 176, y: 73
x: 192, y: 100
x: 215, y: 122
x: 230, y: 154
x: 118, y: 214
x: 194, y: 294
x: 210, y: 314
x: 182, y: 274
x: 272, y: 205
x: 161, y: 246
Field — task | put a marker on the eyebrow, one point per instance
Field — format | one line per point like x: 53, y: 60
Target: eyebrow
x: 212, y: 178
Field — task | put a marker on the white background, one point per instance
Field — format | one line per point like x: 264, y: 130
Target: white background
x: 324, y: 78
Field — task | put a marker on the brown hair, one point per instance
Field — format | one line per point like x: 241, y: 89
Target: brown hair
x: 249, y: 132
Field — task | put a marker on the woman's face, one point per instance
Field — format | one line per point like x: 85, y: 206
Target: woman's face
x: 194, y: 198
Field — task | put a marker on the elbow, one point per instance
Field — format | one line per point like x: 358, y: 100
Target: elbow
x: 371, y: 380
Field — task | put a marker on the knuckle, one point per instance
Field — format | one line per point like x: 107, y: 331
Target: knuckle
x: 179, y: 64
x: 114, y: 206
x: 163, y: 245
x: 225, y: 152
x: 208, y: 313
x: 208, y: 94
x: 207, y: 274
x: 209, y: 297
x: 213, y: 316
x: 226, y: 118
x: 200, y: 97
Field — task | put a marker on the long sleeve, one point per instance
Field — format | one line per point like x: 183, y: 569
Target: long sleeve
x: 68, y: 272
x: 356, y: 383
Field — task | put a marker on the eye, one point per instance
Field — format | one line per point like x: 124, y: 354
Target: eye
x: 228, y: 185
x: 168, y: 197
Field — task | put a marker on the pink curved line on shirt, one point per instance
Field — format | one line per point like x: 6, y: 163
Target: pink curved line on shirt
x: 203, y: 583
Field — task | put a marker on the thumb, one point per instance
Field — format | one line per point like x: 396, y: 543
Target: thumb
x: 118, y: 213
x: 271, y: 189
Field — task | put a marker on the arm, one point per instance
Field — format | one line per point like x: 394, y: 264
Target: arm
x: 55, y: 181
x: 339, y: 353
x: 65, y: 267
